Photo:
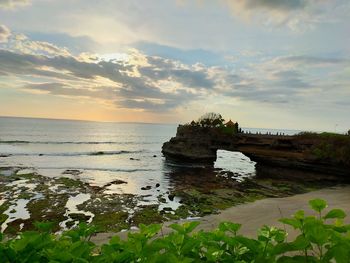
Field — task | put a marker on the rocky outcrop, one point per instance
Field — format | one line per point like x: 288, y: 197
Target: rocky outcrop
x: 197, y: 144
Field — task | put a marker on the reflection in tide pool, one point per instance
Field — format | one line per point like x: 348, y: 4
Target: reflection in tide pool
x: 72, y: 208
x: 16, y: 211
x: 238, y: 165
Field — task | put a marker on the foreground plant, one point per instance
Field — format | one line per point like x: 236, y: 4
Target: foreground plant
x: 322, y: 238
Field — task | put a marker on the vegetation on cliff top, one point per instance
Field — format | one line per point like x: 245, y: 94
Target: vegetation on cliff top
x: 215, y: 120
x: 329, y: 147
x: 322, y: 238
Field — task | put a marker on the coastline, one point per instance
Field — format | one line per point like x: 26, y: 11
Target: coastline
x: 66, y: 200
x: 266, y: 211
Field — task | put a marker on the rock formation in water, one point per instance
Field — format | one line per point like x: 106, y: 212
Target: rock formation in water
x: 326, y: 153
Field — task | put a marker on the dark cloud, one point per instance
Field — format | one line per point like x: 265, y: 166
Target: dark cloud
x: 164, y: 69
x: 141, y: 85
x: 120, y: 97
x: 140, y: 91
x: 316, y: 61
x: 148, y: 105
x: 297, y: 15
x: 280, y: 86
x: 14, y: 63
x: 275, y: 4
x: 289, y: 79
x: 258, y: 94
x: 66, y: 90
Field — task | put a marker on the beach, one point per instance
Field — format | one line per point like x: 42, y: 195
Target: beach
x: 267, y: 211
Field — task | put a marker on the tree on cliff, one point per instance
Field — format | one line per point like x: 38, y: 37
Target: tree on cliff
x: 211, y: 119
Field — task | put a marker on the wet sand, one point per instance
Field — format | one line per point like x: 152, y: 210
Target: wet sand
x: 254, y: 215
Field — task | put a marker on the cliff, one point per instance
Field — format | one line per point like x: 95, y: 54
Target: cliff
x: 314, y: 152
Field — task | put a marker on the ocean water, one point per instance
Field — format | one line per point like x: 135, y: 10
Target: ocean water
x: 103, y: 153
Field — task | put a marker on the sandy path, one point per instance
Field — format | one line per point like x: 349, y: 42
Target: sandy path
x: 254, y: 215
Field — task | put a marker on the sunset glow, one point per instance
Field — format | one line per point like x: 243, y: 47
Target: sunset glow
x: 267, y: 63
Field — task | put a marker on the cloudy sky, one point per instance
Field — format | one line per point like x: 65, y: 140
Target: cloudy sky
x: 265, y: 63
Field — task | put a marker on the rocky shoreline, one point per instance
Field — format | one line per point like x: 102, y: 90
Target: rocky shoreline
x: 66, y: 200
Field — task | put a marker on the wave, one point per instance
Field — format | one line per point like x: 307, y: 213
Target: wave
x: 98, y: 169
x: 84, y: 168
x: 98, y: 153
x: 74, y: 142
x: 13, y: 142
x: 185, y: 165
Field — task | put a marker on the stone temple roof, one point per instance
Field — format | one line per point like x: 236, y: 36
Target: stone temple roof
x: 229, y: 123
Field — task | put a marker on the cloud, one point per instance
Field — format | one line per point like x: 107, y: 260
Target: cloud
x: 166, y: 69
x: 80, y: 78
x: 283, y: 5
x: 9, y: 4
x: 135, y: 80
x: 292, y: 80
x: 64, y: 89
x: 153, y: 83
x: 21, y: 43
x: 297, y: 15
x: 315, y: 61
x: 5, y: 33
x: 275, y: 82
x: 43, y: 47
x: 115, y: 96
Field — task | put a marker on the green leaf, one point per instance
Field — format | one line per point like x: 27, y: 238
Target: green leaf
x: 342, y: 254
x: 190, y: 226
x: 318, y: 204
x: 317, y: 233
x: 264, y: 234
x: 182, y: 245
x: 299, y: 244
x: 228, y: 226
x: 291, y: 221
x: 44, y: 226
x: 279, y: 235
x: 299, y: 215
x: 115, y: 240
x: 151, y: 230
x: 335, y: 213
x: 177, y: 228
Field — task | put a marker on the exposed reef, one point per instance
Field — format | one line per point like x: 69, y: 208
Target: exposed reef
x: 324, y: 153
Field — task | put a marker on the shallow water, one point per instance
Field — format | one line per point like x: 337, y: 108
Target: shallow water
x: 71, y: 206
x: 16, y: 211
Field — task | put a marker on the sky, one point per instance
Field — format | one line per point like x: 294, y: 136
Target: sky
x: 263, y: 63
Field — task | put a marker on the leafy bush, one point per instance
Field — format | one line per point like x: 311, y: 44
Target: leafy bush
x: 211, y: 119
x: 318, y: 241
x: 330, y: 147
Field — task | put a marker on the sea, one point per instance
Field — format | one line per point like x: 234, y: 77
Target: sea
x: 103, y: 152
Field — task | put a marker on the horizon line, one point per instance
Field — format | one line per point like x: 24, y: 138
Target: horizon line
x: 63, y: 119
x: 130, y: 122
